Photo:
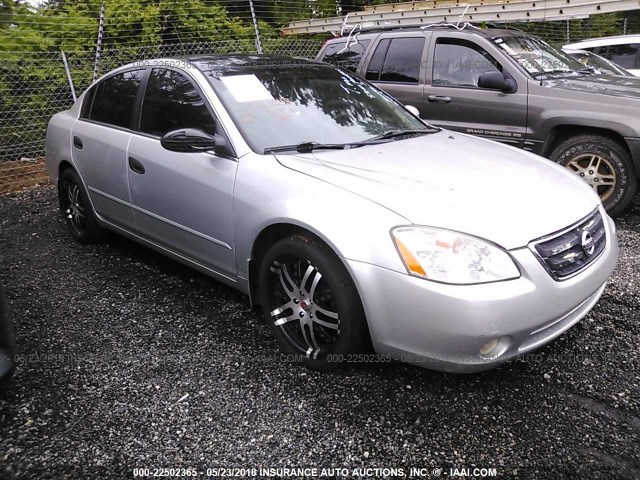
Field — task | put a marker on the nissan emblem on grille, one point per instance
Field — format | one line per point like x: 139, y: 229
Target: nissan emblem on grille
x: 588, y: 245
x: 565, y: 253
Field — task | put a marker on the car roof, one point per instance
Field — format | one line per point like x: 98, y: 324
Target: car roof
x: 603, y: 41
x: 577, y: 50
x: 219, y: 65
x: 483, y: 32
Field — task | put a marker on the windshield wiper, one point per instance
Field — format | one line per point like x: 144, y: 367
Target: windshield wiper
x: 398, y: 133
x: 551, y: 72
x: 307, y: 147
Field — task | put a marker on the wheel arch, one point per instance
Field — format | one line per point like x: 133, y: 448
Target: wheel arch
x: 62, y: 166
x: 275, y: 232
x: 268, y: 237
x: 560, y: 133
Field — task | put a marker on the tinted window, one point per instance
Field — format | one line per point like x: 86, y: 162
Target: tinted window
x: 348, y: 58
x: 402, y: 63
x: 87, y: 103
x: 114, y: 99
x: 172, y: 102
x: 460, y: 63
x: 624, y: 55
x: 377, y: 59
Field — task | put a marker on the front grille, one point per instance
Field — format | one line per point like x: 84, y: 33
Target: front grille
x: 569, y: 251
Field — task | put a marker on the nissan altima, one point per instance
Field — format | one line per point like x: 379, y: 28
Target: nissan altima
x: 360, y: 231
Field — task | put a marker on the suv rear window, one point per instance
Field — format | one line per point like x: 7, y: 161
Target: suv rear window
x: 337, y: 54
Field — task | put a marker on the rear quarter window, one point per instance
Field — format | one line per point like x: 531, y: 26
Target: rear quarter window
x: 338, y: 54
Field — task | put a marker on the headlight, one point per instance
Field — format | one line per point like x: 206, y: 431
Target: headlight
x: 452, y: 257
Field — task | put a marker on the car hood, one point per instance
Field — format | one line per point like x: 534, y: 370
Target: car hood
x: 455, y: 181
x: 613, y: 85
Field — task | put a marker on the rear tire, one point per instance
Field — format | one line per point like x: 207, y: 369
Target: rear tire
x: 75, y: 206
x: 604, y: 164
x: 311, y: 304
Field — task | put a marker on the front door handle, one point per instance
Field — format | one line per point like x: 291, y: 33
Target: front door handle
x: 136, y: 166
x: 438, y: 99
x: 77, y: 142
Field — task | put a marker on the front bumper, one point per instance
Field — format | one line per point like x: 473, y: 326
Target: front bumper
x: 443, y: 326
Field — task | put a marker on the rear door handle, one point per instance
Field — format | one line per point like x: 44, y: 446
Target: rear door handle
x: 136, y: 166
x: 438, y: 99
x: 77, y: 142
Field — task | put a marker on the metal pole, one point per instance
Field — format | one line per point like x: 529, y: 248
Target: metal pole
x: 624, y: 26
x: 255, y: 27
x: 99, y: 42
x: 568, y: 33
x: 66, y: 67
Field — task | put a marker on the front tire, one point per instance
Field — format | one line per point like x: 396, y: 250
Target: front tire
x: 311, y: 303
x: 604, y: 164
x: 75, y: 206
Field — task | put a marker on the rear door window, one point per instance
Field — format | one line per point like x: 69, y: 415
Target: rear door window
x: 377, y: 59
x: 403, y: 60
x: 397, y: 60
x: 113, y: 99
x: 338, y: 54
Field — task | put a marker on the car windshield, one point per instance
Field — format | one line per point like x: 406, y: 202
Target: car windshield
x: 599, y: 63
x: 539, y: 58
x: 309, y: 103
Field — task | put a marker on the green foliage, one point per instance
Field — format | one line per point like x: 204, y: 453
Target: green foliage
x: 33, y: 83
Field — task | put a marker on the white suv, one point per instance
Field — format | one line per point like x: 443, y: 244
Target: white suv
x: 623, y: 50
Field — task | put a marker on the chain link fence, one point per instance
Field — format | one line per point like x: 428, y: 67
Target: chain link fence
x: 34, y: 85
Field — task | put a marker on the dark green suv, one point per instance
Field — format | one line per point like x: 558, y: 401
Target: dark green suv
x: 512, y: 87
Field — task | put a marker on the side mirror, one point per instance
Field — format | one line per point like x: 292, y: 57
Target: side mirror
x: 413, y: 110
x: 498, y: 81
x: 191, y: 140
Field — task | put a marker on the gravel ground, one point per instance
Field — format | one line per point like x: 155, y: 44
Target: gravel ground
x: 131, y: 360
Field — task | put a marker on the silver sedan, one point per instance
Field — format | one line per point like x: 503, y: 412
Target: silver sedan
x: 360, y: 231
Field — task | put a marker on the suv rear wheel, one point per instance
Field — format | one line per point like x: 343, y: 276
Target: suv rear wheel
x: 604, y: 164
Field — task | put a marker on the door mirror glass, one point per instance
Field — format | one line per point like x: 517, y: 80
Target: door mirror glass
x: 190, y: 140
x: 497, y: 81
